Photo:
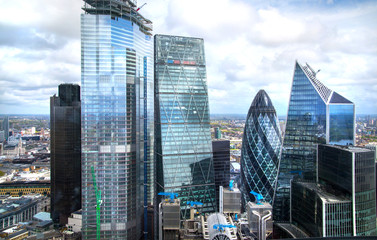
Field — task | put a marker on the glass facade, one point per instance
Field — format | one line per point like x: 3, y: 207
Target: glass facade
x: 341, y: 124
x: 221, y: 164
x: 353, y: 175
x: 316, y: 115
x: 117, y: 117
x: 65, y: 122
x: 260, y: 153
x: 319, y: 213
x: 184, y: 162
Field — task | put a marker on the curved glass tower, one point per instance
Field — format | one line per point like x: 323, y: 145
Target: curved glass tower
x: 117, y: 119
x: 261, y: 145
x: 316, y: 115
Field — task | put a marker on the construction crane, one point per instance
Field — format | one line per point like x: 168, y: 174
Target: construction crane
x: 192, y: 203
x: 222, y: 227
x: 140, y: 7
x: 170, y: 195
x: 98, y: 205
x: 258, y: 197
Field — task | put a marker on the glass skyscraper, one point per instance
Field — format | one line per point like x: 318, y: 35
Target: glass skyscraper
x: 316, y: 115
x: 342, y: 201
x: 65, y: 121
x: 260, y: 153
x: 184, y: 162
x: 117, y: 118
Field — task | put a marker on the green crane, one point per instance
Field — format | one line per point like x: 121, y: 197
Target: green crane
x: 98, y: 205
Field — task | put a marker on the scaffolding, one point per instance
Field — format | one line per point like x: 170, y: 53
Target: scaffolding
x: 125, y: 9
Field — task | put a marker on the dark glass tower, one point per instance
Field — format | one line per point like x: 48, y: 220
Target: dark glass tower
x: 65, y: 121
x: 221, y: 164
x: 184, y: 161
x: 316, y: 115
x: 351, y: 170
x: 117, y: 119
x: 342, y: 201
x: 261, y: 146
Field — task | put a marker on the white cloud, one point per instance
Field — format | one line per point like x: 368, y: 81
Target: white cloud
x: 249, y: 45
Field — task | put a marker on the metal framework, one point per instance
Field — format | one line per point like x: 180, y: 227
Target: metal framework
x: 125, y: 9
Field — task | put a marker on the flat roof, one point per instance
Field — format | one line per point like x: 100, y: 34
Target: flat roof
x: 325, y: 196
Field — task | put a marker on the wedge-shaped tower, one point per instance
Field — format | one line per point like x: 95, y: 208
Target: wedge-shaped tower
x: 316, y: 115
x: 184, y: 161
x: 261, y: 145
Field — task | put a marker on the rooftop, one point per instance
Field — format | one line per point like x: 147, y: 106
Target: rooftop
x: 325, y: 196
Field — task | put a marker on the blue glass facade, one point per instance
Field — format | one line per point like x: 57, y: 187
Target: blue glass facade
x: 184, y: 162
x: 341, y: 124
x: 260, y: 154
x: 316, y: 115
x: 116, y: 78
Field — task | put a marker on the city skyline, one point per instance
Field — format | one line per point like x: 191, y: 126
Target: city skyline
x: 250, y: 45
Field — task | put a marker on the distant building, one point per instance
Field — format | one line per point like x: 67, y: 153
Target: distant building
x: 316, y: 115
x: 261, y: 146
x: 221, y: 164
x: 342, y: 202
x: 217, y: 133
x: 13, y: 211
x: 20, y: 188
x: 6, y: 127
x: 65, y: 115
x: 184, y: 160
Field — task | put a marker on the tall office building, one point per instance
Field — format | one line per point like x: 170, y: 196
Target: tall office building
x: 6, y: 127
x: 343, y: 201
x: 316, y: 115
x: 184, y: 162
x: 221, y: 164
x: 217, y: 133
x: 117, y: 119
x: 260, y: 153
x: 65, y: 120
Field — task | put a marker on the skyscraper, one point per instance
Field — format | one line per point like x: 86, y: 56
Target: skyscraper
x: 221, y: 164
x: 260, y: 153
x: 342, y: 202
x: 117, y: 118
x: 6, y: 127
x: 316, y: 115
x: 184, y: 162
x: 65, y: 120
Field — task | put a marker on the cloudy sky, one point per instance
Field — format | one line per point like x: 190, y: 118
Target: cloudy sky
x: 250, y: 45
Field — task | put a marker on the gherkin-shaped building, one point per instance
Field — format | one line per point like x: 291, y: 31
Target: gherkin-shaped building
x: 261, y: 145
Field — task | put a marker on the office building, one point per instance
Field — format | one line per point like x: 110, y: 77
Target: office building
x: 221, y: 164
x: 320, y: 213
x: 117, y: 119
x: 6, y: 127
x: 184, y: 161
x: 260, y: 153
x: 342, y: 202
x: 217, y: 133
x: 316, y: 115
x: 65, y: 120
